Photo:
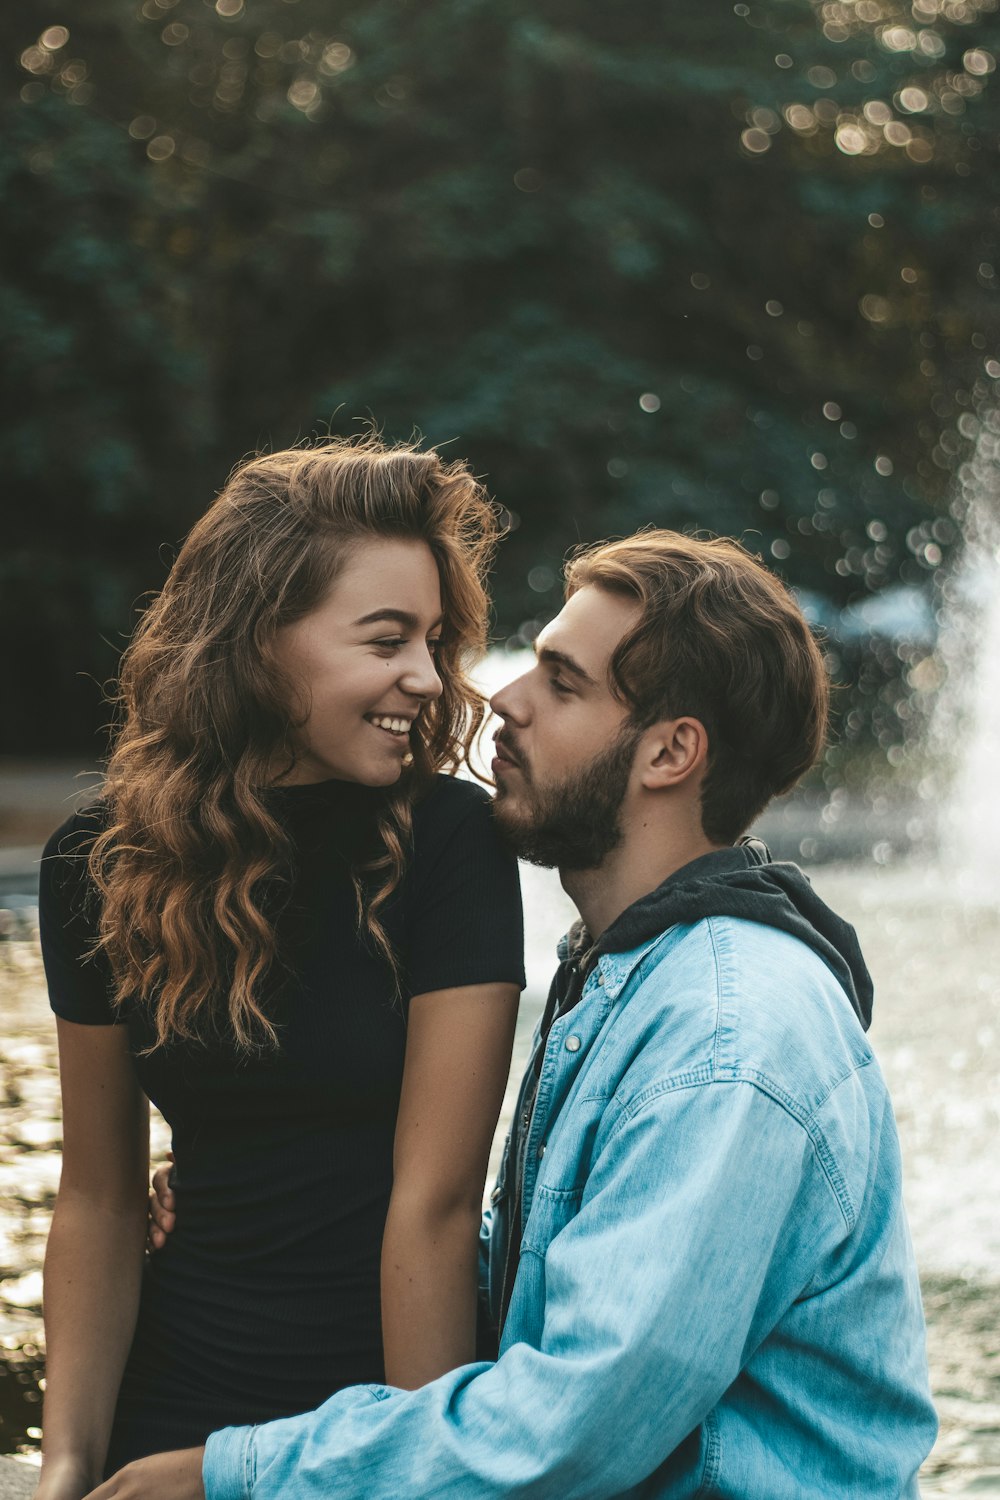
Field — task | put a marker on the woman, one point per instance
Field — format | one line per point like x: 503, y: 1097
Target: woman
x: 296, y: 936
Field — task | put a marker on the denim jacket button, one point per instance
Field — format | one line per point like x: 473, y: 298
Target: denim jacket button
x: 541, y: 1151
x: 600, y: 978
x: 572, y: 1044
x: 496, y: 1195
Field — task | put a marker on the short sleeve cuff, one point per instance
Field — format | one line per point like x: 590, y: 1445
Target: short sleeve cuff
x: 228, y: 1467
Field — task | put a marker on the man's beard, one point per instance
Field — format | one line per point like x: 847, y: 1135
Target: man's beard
x: 575, y: 823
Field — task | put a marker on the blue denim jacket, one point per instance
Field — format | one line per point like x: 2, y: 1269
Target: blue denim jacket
x: 716, y: 1293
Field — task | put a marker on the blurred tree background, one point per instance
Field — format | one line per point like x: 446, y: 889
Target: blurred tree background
x: 704, y: 265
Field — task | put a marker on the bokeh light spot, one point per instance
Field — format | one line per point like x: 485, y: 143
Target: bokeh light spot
x: 897, y: 134
x: 897, y: 38
x: 755, y: 141
x: 801, y: 118
x: 337, y: 56
x: 541, y: 579
x: 649, y: 402
x: 979, y: 62
x: 54, y: 37
x: 161, y: 147
x: 528, y: 180
x: 851, y: 139
x: 874, y: 308
x: 822, y: 78
x: 303, y: 93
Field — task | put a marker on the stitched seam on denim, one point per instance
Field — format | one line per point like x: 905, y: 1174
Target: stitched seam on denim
x: 766, y: 1087
x: 851, y: 1072
x: 559, y: 1194
x: 809, y: 1124
x: 250, y: 1461
x: 603, y: 1098
x: 713, y: 1457
x: 644, y: 964
x: 713, y: 937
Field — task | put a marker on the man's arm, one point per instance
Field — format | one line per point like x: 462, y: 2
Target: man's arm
x: 656, y: 1293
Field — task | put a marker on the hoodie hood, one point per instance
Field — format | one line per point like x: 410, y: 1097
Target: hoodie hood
x: 741, y: 882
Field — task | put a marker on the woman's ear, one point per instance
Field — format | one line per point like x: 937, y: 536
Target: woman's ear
x: 672, y: 752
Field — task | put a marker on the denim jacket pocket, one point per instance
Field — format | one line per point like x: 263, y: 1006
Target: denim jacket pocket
x: 552, y: 1209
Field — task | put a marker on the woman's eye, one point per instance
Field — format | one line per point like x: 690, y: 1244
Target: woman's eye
x: 391, y: 643
x: 434, y: 645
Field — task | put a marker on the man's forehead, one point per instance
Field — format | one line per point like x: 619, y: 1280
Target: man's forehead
x: 588, y: 628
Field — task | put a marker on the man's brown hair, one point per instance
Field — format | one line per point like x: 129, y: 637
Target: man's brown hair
x: 722, y: 640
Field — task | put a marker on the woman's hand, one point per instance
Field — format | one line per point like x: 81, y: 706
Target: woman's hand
x: 165, y: 1476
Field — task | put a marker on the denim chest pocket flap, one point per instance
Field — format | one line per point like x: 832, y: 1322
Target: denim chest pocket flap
x: 552, y: 1209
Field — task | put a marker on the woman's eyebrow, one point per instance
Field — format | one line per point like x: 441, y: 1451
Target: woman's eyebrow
x: 398, y: 616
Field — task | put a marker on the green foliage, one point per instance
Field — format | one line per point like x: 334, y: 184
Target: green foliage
x: 703, y: 265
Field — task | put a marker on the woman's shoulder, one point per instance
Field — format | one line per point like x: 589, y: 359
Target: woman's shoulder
x: 72, y: 839
x: 64, y: 875
x: 447, y: 804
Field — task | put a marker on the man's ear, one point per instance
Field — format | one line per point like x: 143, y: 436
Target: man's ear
x: 672, y: 752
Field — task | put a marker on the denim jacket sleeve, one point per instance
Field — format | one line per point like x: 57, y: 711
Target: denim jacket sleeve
x: 701, y: 1219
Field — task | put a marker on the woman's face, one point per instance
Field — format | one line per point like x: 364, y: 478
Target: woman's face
x: 361, y: 664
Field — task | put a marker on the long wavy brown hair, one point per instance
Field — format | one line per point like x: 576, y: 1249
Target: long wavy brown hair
x: 192, y: 853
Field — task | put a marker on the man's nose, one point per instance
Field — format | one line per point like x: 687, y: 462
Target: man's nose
x: 510, y: 702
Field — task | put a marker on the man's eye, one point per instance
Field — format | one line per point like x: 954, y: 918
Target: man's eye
x: 561, y: 688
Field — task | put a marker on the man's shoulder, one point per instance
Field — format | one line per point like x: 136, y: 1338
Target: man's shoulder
x: 735, y: 999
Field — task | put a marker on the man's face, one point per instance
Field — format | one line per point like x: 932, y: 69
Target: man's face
x: 566, y: 748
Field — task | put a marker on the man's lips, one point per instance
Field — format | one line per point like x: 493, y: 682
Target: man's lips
x: 504, y: 754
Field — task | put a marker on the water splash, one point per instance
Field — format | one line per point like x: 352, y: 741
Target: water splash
x: 965, y: 731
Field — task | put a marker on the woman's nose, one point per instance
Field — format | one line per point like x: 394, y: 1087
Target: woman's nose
x: 421, y: 677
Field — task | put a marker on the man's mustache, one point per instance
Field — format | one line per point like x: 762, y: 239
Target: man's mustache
x: 506, y: 747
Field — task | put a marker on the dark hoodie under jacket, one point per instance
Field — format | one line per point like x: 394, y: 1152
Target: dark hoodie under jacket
x: 743, y: 882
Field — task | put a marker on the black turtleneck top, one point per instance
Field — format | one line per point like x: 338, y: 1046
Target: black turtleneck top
x: 265, y: 1299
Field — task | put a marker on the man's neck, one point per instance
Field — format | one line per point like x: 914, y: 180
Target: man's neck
x: 636, y: 867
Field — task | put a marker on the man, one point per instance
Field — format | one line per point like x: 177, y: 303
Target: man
x: 697, y: 1254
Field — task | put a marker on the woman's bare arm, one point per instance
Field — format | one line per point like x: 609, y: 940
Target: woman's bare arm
x: 457, y: 1058
x: 93, y: 1262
